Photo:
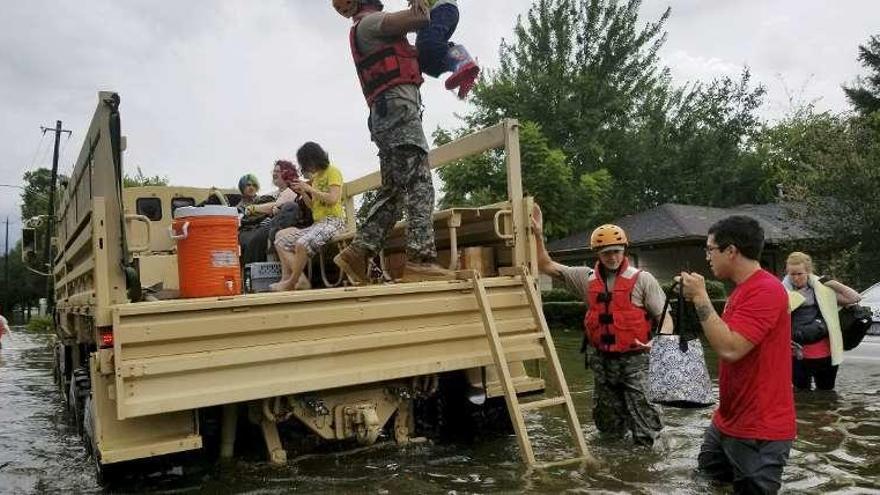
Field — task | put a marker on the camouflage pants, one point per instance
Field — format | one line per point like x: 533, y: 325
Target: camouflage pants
x: 406, y: 187
x: 620, y: 402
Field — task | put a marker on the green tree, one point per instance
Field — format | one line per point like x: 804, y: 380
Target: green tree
x: 580, y: 69
x: 35, y: 198
x: 587, y: 74
x: 865, y: 95
x: 140, y: 180
x: 24, y: 288
x: 569, y: 200
x: 831, y: 163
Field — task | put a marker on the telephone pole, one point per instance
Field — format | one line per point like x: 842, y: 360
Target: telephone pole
x: 50, y: 223
x: 6, y: 306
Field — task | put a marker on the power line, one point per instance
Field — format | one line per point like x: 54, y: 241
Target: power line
x: 64, y: 146
x: 39, y: 147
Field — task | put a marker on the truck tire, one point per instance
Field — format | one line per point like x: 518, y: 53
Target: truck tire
x: 103, y: 474
x: 80, y: 390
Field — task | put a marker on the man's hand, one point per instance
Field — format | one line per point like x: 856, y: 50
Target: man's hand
x: 420, y: 7
x: 694, y: 287
x: 643, y: 345
x: 538, y: 221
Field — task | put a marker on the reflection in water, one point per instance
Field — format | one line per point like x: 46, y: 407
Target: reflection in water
x: 839, y: 439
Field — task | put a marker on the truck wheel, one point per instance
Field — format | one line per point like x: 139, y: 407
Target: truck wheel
x: 80, y: 390
x: 102, y: 472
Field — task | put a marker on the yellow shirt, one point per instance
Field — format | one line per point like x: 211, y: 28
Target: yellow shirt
x: 322, y: 181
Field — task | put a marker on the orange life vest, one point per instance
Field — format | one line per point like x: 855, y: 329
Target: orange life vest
x: 613, y: 322
x: 391, y: 65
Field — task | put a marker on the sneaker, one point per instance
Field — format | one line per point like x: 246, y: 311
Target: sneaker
x: 425, y: 272
x: 353, y: 261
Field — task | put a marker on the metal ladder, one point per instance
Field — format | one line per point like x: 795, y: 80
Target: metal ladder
x: 514, y: 407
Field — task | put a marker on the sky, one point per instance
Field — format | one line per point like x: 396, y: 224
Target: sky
x: 212, y: 89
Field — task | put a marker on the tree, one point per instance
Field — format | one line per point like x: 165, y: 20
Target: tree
x: 569, y: 200
x: 578, y: 69
x: 25, y: 287
x: 140, y: 180
x: 35, y: 198
x: 865, y: 95
x: 587, y: 75
x: 831, y: 163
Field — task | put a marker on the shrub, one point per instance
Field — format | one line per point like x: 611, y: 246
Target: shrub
x: 559, y: 295
x: 568, y: 314
x: 40, y: 324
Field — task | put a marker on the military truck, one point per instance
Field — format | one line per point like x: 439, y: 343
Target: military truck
x: 147, y: 374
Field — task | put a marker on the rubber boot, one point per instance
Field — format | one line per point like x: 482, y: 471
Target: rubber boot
x: 464, y: 70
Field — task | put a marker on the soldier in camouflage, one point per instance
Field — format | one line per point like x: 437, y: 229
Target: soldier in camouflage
x: 378, y: 41
x: 623, y: 303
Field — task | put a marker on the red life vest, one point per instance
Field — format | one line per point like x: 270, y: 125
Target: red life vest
x: 613, y: 322
x: 391, y: 65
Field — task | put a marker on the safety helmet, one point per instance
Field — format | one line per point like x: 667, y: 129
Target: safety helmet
x: 346, y: 8
x: 608, y: 236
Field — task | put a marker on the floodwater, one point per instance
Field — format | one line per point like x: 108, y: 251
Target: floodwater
x: 837, y: 451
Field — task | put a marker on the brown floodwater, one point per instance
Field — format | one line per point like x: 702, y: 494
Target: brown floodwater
x: 837, y: 451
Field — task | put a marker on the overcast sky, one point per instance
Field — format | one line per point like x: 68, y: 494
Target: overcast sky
x: 211, y: 89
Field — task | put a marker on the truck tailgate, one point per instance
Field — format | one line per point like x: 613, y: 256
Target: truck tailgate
x: 186, y: 354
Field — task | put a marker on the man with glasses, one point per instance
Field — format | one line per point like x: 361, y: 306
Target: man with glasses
x: 753, y: 428
x: 623, y: 304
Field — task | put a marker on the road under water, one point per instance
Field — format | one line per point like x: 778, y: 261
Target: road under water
x: 837, y: 451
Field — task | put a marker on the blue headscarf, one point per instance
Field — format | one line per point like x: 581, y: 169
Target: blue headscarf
x: 248, y: 179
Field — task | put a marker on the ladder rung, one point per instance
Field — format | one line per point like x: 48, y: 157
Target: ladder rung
x: 540, y: 404
x: 521, y: 338
x: 564, y: 462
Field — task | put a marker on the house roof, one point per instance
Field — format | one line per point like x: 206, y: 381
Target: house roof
x: 673, y: 222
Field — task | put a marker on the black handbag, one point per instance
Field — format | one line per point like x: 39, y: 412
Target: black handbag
x: 810, y: 332
x: 855, y: 321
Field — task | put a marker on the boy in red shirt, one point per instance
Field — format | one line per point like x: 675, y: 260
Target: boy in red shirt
x: 753, y: 428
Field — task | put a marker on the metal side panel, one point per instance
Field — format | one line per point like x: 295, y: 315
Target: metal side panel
x: 124, y: 440
x: 187, y: 354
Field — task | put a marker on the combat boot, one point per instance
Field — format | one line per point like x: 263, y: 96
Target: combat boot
x: 353, y: 261
x: 464, y: 70
x: 425, y: 272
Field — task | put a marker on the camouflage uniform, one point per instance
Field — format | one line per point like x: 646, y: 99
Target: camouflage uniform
x: 619, y: 400
x: 396, y: 127
x: 620, y: 381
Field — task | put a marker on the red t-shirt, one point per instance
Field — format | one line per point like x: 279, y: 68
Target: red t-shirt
x: 757, y: 401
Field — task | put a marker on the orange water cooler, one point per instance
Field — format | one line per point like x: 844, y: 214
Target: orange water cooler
x: 207, y: 250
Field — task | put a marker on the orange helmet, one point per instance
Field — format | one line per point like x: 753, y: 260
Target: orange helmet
x: 346, y: 8
x: 608, y: 235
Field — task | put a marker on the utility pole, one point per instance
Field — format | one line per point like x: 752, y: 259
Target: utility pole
x: 50, y: 224
x: 6, y: 306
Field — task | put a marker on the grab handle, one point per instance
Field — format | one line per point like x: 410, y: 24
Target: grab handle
x: 498, y: 232
x: 146, y: 221
x: 182, y: 236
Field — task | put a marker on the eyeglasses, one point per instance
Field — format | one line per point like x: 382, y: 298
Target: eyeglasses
x: 709, y: 249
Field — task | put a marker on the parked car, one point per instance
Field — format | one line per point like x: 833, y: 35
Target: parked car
x: 871, y: 298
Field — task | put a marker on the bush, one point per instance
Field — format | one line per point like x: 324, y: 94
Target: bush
x: 40, y: 324
x: 559, y: 295
x: 568, y: 314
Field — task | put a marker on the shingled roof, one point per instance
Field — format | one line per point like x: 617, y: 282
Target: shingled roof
x: 671, y: 222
